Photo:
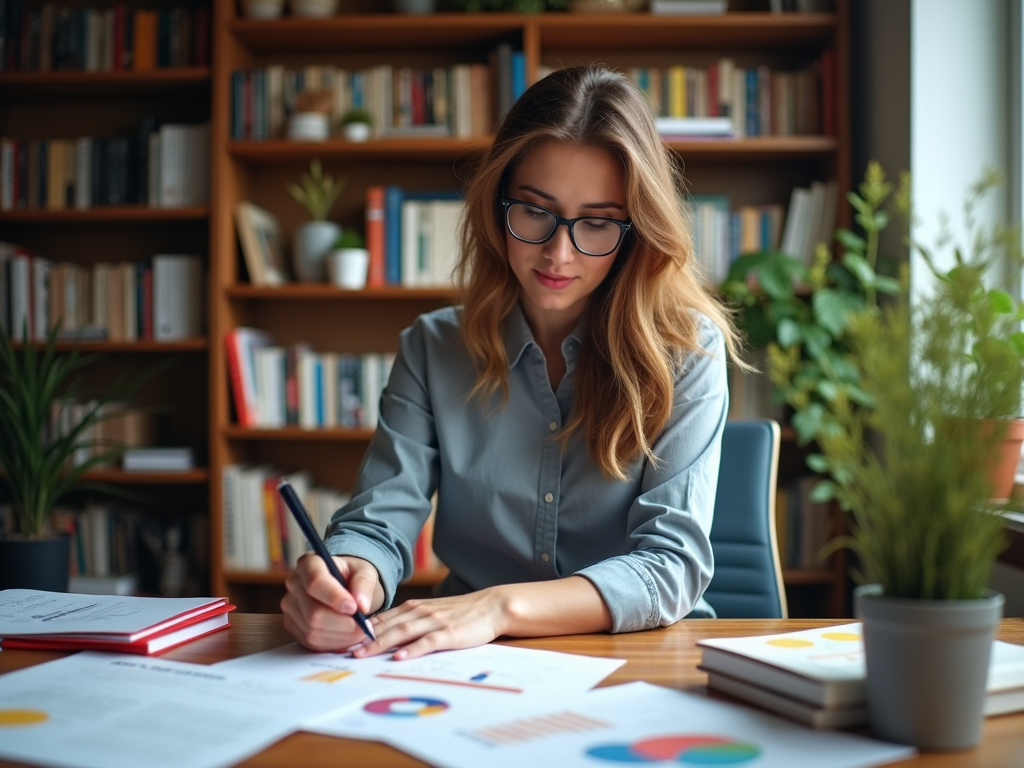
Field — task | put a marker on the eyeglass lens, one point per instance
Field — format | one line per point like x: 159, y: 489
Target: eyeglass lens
x: 592, y: 236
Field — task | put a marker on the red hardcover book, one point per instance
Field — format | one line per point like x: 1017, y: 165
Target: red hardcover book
x: 156, y: 643
x: 375, y: 277
x: 119, y: 22
x: 142, y: 625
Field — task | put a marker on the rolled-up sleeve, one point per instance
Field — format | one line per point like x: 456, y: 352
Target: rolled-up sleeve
x: 664, y: 576
x: 398, y: 476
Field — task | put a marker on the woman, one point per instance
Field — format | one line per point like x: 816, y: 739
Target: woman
x: 569, y: 415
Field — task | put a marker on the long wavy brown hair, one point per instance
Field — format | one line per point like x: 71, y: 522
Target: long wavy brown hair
x: 641, y: 317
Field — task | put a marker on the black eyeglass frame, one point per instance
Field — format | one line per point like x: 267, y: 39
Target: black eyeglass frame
x: 623, y: 225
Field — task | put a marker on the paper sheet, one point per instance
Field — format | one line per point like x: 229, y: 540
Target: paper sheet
x: 447, y: 689
x: 101, y: 710
x: 643, y: 723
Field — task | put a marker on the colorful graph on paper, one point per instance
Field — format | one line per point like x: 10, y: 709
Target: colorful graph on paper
x: 531, y: 728
x: 406, y: 706
x: 685, y: 749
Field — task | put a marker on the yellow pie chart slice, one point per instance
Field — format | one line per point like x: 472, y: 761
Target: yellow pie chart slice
x: 790, y: 642
x: 20, y: 718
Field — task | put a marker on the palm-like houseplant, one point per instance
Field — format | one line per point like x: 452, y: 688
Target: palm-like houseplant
x: 910, y: 466
x: 317, y: 193
x: 40, y: 448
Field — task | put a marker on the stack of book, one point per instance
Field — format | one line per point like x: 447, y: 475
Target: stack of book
x: 56, y: 621
x: 817, y: 676
x: 157, y: 460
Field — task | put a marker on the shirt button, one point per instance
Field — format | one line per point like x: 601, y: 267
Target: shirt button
x: 553, y: 426
x: 548, y: 498
x: 545, y: 557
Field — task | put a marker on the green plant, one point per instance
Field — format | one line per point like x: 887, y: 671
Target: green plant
x: 316, y: 192
x: 802, y: 314
x: 350, y: 238
x: 515, y: 6
x: 357, y: 115
x: 37, y: 451
x: 916, y: 502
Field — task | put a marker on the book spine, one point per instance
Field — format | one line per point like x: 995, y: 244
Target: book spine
x: 375, y: 237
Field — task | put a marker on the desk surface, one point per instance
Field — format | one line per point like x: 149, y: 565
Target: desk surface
x: 667, y: 657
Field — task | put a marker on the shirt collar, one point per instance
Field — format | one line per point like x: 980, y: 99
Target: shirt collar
x: 518, y: 336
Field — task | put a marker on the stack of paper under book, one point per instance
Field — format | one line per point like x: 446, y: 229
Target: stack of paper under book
x: 30, y: 618
x: 817, y: 676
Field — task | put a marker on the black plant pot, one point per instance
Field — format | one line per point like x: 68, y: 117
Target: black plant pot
x: 35, y: 563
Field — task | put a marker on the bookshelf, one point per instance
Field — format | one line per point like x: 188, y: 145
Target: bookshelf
x: 72, y: 100
x: 751, y: 171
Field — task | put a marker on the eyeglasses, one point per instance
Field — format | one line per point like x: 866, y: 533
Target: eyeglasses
x: 590, y: 235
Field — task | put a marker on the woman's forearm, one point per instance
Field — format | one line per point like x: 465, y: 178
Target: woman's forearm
x: 567, y: 606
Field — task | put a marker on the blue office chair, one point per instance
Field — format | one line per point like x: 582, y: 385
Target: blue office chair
x: 748, y: 575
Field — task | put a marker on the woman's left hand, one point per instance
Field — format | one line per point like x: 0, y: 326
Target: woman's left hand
x: 418, y: 627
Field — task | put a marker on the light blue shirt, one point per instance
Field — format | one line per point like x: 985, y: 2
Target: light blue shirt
x: 512, y: 505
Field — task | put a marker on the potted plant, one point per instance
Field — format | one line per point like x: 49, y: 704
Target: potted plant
x: 349, y: 260
x: 911, y: 471
x: 39, y: 452
x: 313, y: 240
x: 314, y: 9
x: 356, y: 124
x: 802, y: 314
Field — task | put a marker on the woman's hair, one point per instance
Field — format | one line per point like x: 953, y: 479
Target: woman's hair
x: 641, y: 317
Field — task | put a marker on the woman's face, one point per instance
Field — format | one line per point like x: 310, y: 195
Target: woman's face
x: 556, y: 279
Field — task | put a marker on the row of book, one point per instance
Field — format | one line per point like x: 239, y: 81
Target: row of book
x: 412, y: 236
x: 274, y: 386
x: 818, y: 676
x: 48, y: 37
x: 162, y: 167
x: 459, y: 100
x: 259, y: 532
x: 120, y: 426
x: 759, y: 101
x: 159, y: 300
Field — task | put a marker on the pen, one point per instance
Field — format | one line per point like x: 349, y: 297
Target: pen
x: 298, y: 511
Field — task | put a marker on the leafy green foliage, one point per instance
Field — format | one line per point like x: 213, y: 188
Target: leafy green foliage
x: 357, y: 115
x: 37, y: 458
x: 918, y: 523
x: 802, y: 314
x: 350, y: 238
x: 316, y: 192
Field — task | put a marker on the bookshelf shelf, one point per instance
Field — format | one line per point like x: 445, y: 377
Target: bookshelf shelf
x: 401, y: 150
x: 106, y: 215
x: 298, y: 434
x: 186, y: 345
x: 37, y: 86
x: 305, y: 291
x: 192, y: 477
x: 385, y: 150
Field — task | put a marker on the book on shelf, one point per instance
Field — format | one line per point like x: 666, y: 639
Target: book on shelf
x: 157, y: 460
x: 818, y: 676
x: 162, y: 167
x: 178, y: 297
x: 810, y: 220
x: 688, y: 7
x: 143, y: 625
x: 694, y: 127
x: 48, y: 38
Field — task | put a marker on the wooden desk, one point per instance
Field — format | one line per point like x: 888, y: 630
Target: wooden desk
x: 665, y: 657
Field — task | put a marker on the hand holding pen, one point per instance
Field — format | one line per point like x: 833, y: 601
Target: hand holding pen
x: 298, y: 511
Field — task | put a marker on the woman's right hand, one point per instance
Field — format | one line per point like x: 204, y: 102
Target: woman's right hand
x: 318, y: 610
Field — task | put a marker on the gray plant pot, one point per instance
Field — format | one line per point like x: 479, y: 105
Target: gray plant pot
x: 35, y: 563
x: 311, y: 244
x: 927, y: 663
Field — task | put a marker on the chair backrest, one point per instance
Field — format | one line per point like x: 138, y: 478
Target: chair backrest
x: 748, y: 575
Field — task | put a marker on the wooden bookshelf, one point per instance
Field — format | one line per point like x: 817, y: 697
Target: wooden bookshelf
x: 751, y: 171
x: 67, y: 105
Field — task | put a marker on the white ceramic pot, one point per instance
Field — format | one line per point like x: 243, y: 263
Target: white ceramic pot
x: 347, y: 267
x: 262, y: 9
x: 309, y: 126
x: 314, y: 9
x: 311, y: 243
x: 356, y: 131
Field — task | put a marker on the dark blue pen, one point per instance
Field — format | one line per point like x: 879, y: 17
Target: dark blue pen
x: 302, y: 518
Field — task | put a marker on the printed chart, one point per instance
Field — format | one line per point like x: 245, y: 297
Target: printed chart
x: 683, y: 749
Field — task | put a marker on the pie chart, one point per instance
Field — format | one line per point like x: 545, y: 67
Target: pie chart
x: 680, y: 749
x: 406, y: 706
